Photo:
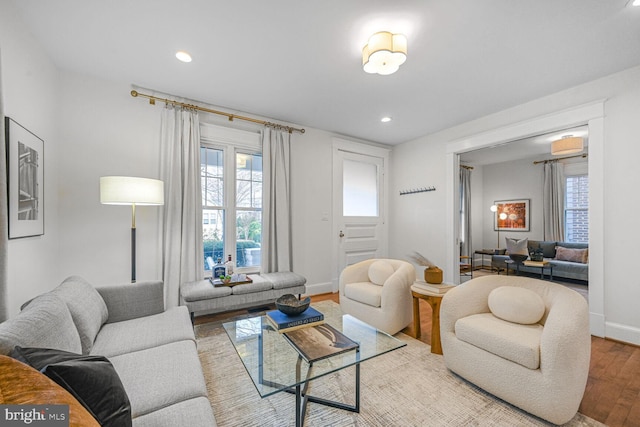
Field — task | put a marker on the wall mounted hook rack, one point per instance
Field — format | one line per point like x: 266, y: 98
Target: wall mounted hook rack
x: 417, y: 190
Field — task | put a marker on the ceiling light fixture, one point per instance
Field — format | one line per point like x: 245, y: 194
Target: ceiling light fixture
x: 635, y: 2
x: 384, y: 53
x: 385, y: 119
x: 568, y: 144
x: 183, y: 56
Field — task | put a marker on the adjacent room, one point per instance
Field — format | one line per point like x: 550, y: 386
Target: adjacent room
x: 319, y: 213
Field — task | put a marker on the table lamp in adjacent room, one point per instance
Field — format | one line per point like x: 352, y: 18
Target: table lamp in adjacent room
x: 134, y: 191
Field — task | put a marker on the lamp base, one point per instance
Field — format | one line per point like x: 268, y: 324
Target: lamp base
x: 133, y: 255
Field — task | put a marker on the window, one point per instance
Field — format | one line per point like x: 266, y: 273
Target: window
x: 231, y: 180
x: 576, y: 212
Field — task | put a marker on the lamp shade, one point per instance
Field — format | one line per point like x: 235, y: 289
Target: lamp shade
x: 567, y: 145
x: 384, y: 53
x: 129, y: 190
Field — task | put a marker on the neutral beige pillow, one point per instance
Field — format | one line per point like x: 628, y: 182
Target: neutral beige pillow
x: 517, y: 305
x: 379, y: 272
x: 572, y: 254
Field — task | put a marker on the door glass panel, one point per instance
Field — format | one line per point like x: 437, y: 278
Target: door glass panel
x: 359, y: 189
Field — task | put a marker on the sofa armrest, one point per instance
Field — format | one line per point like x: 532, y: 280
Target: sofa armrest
x: 133, y: 300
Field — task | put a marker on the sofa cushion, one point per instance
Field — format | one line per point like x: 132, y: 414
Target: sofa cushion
x: 283, y: 279
x: 364, y: 292
x: 518, y: 305
x: 548, y: 248
x: 90, y: 379
x: 20, y: 384
x: 258, y: 285
x: 572, y: 254
x: 203, y: 290
x: 511, y: 341
x: 380, y: 271
x: 87, y: 308
x: 44, y: 322
x: 144, y: 332
x: 192, y: 412
x: 161, y: 376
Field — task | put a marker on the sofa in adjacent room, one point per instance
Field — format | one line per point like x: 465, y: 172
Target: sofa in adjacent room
x: 152, y: 350
x: 568, y: 260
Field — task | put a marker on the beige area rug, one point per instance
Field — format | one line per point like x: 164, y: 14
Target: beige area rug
x: 407, y: 387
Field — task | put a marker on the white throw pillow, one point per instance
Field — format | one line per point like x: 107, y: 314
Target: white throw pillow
x: 379, y: 272
x: 517, y: 247
x: 517, y: 305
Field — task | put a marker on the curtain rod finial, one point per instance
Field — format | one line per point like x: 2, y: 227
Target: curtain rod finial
x: 134, y: 93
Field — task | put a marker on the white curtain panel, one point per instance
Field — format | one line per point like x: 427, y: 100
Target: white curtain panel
x: 276, y: 209
x: 553, y: 201
x: 465, y: 206
x: 4, y: 231
x: 182, y: 211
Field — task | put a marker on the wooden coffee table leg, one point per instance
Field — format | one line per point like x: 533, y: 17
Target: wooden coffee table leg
x: 416, y: 317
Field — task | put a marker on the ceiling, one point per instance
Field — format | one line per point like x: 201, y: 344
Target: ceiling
x: 536, y: 147
x: 300, y: 61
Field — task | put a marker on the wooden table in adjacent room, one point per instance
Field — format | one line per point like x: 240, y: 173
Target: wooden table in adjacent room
x: 434, y: 299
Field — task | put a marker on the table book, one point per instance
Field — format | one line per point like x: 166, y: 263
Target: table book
x: 319, y: 342
x: 283, y: 323
x: 431, y: 287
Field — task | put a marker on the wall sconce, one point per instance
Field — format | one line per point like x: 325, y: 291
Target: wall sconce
x: 384, y: 53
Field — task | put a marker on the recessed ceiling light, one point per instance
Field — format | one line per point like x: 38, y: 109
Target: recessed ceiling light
x: 183, y: 56
x: 385, y: 119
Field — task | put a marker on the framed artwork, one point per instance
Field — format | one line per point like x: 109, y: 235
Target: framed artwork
x: 512, y: 215
x: 25, y: 180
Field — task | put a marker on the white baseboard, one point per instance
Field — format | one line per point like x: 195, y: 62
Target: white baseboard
x: 624, y: 333
x: 319, y: 288
x: 596, y: 325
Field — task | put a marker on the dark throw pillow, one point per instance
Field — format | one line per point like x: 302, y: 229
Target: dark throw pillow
x: 92, y: 380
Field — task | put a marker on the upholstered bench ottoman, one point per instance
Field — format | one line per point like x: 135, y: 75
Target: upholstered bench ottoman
x: 203, y: 298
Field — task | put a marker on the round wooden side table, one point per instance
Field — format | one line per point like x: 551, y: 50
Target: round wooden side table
x: 434, y: 299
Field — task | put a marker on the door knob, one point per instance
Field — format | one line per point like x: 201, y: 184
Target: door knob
x: 341, y: 234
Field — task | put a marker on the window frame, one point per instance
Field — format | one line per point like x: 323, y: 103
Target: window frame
x: 576, y: 170
x: 230, y: 141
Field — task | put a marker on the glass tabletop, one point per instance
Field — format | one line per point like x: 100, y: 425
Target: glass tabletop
x: 270, y: 360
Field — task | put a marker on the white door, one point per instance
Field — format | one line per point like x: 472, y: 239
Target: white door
x: 359, y: 208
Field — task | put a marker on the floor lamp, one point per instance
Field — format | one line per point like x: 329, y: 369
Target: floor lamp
x: 502, y: 216
x: 128, y: 190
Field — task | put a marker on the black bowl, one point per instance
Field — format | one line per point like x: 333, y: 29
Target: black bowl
x: 292, y: 306
x: 518, y: 257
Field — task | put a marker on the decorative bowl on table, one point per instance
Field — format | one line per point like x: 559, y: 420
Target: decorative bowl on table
x: 290, y: 305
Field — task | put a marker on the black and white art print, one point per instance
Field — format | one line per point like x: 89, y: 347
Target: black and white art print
x: 25, y: 169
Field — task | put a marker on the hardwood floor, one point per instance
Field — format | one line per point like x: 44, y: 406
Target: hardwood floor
x: 612, y: 395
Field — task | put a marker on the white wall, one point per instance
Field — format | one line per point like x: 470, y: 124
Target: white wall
x: 31, y: 91
x: 425, y: 158
x: 520, y: 179
x: 105, y: 131
x: 93, y: 127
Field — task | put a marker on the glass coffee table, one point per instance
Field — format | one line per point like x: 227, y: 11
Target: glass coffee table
x: 274, y: 365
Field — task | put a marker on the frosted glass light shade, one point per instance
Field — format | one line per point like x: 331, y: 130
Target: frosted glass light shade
x: 384, y: 53
x: 129, y: 190
x: 568, y: 145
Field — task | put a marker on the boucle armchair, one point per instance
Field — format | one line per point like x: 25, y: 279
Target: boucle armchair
x: 378, y: 292
x: 539, y: 366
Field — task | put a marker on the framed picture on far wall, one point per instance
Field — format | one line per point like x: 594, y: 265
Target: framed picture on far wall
x: 511, y: 215
x: 25, y: 179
